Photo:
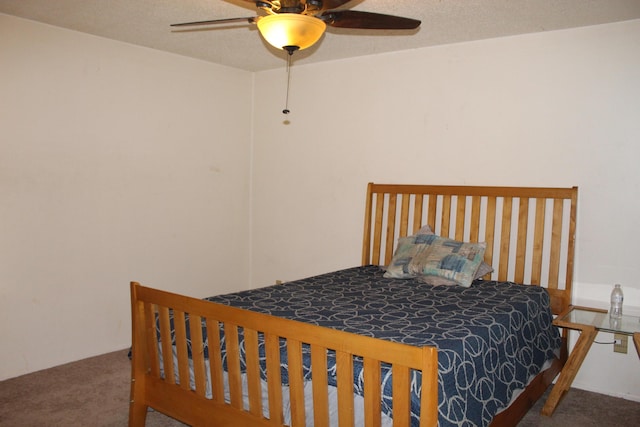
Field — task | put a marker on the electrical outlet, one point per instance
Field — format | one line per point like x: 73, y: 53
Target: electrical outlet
x: 621, y: 343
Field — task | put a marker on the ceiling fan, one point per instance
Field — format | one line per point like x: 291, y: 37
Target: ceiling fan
x: 294, y: 25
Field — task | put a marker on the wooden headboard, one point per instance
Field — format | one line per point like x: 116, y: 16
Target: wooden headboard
x: 530, y: 232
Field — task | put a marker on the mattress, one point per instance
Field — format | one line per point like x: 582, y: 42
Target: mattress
x: 492, y: 337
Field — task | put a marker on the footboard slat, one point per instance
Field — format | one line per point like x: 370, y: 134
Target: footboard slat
x: 401, y: 397
x: 274, y: 378
x: 215, y: 361
x: 429, y: 387
x: 233, y: 365
x: 320, y: 385
x: 253, y: 372
x: 197, y: 351
x: 296, y: 385
x: 344, y: 371
x: 372, y: 393
x: 165, y: 339
x: 151, y: 341
x: 181, y: 349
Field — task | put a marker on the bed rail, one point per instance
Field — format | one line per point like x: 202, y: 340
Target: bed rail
x: 157, y: 384
x: 530, y: 232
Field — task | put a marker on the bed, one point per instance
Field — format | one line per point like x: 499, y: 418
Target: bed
x: 301, y: 353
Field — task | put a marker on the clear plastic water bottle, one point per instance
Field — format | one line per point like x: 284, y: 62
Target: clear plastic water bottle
x: 616, y: 302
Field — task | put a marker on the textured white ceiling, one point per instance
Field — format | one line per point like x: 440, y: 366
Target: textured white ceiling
x: 146, y: 23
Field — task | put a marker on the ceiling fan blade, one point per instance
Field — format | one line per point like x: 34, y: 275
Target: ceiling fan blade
x: 368, y: 20
x: 250, y: 20
x: 333, y: 4
x: 256, y: 2
x: 314, y: 5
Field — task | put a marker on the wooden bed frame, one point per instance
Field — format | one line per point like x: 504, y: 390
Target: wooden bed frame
x: 530, y: 235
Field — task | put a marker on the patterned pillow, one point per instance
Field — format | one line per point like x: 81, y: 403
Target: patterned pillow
x: 442, y: 281
x: 406, y: 250
x: 414, y: 253
x: 483, y: 270
x: 446, y: 258
x: 425, y: 229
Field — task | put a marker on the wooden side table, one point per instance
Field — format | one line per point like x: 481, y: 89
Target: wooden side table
x: 589, y: 321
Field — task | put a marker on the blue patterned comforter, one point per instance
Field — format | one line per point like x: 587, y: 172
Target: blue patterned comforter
x: 491, y: 337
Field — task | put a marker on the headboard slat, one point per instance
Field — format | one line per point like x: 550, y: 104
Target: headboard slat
x: 521, y: 240
x: 538, y: 236
x: 391, y: 228
x: 461, y: 205
x: 404, y: 215
x: 505, y: 239
x: 433, y: 207
x: 571, y: 244
x: 417, y: 213
x: 446, y: 215
x: 377, y: 239
x: 556, y: 237
x: 490, y: 231
x: 474, y: 230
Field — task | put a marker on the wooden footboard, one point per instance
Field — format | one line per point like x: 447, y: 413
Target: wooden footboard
x: 172, y: 394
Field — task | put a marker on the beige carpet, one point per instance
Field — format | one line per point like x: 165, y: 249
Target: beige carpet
x: 95, y: 392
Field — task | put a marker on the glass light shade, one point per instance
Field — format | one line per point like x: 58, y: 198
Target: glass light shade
x: 291, y: 29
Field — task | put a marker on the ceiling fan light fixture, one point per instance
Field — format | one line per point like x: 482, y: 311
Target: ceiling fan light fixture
x: 286, y: 30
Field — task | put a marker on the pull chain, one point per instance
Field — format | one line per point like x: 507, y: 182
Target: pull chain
x: 290, y: 50
x: 286, y: 102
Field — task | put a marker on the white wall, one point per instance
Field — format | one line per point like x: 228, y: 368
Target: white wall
x: 117, y: 163
x: 549, y: 109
